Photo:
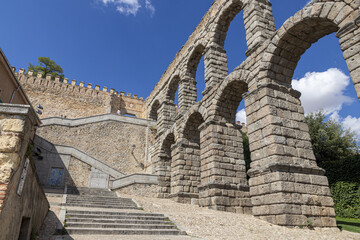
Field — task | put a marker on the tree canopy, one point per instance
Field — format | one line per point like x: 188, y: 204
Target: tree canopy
x: 330, y: 141
x: 47, y: 66
x: 335, y: 148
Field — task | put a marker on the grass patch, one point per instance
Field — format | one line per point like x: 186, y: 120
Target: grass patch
x: 348, y: 224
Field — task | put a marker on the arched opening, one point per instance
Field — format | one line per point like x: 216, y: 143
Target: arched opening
x: 172, y: 94
x: 294, y: 43
x: 200, y: 79
x: 153, y: 115
x: 196, y: 71
x: 321, y: 69
x: 164, y: 167
x: 230, y: 100
x: 234, y: 43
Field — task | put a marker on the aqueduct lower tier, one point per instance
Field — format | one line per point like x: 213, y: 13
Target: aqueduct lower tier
x: 198, y: 154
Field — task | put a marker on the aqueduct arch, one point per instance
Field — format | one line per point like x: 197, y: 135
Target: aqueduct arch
x: 199, y: 148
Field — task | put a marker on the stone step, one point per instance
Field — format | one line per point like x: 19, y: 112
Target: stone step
x: 100, y: 200
x: 94, y: 193
x: 122, y: 226
x: 86, y: 197
x: 118, y: 217
x: 120, y: 231
x: 88, y: 190
x: 123, y: 221
x: 115, y: 213
x: 87, y: 205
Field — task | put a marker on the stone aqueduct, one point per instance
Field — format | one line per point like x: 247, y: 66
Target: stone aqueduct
x: 198, y: 154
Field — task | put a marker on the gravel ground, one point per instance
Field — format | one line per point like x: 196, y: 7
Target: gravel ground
x: 209, y: 224
x: 199, y: 223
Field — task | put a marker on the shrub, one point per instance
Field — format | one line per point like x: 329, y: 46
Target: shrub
x: 346, y: 197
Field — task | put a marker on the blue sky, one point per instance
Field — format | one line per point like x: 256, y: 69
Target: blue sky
x: 128, y: 44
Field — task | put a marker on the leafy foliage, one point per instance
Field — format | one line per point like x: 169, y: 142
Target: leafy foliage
x: 330, y: 141
x: 46, y: 65
x: 347, y: 199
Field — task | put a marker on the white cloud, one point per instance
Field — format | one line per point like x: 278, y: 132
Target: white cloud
x: 130, y: 7
x: 323, y: 90
x: 353, y: 124
x: 241, y: 116
x: 150, y: 7
x: 335, y: 116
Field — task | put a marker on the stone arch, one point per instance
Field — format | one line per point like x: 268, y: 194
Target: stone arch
x: 191, y: 130
x: 153, y: 114
x: 194, y: 60
x: 222, y: 24
x: 172, y: 88
x: 306, y: 27
x: 195, y: 109
x: 259, y: 25
x: 230, y: 94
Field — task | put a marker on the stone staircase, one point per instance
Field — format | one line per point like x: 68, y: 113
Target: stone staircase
x: 101, y: 212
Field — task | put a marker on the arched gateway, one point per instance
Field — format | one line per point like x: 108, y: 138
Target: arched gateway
x: 198, y: 154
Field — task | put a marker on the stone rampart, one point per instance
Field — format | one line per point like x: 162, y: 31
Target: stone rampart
x: 69, y: 99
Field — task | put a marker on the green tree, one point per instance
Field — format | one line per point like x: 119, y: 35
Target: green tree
x: 46, y: 65
x: 329, y: 140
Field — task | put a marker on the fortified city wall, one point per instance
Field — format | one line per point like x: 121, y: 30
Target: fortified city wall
x: 68, y: 100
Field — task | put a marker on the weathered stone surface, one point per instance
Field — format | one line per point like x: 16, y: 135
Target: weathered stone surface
x: 17, y: 125
x: 9, y: 162
x: 12, y: 125
x: 9, y: 143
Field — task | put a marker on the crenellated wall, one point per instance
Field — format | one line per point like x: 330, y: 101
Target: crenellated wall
x: 69, y: 99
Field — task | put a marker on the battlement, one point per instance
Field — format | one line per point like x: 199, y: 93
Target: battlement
x: 73, y: 99
x: 42, y: 81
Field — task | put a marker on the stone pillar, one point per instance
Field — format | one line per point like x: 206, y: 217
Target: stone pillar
x: 166, y: 116
x: 162, y: 162
x: 286, y: 185
x: 163, y: 171
x: 187, y: 93
x: 216, y: 66
x: 349, y: 41
x: 185, y: 172
x: 259, y: 23
x: 223, y: 173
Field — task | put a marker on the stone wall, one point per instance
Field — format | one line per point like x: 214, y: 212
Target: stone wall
x: 23, y: 204
x: 144, y: 190
x: 79, y: 173
x: 108, y: 138
x: 71, y: 100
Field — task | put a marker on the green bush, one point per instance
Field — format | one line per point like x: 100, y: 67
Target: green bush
x: 346, y: 197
